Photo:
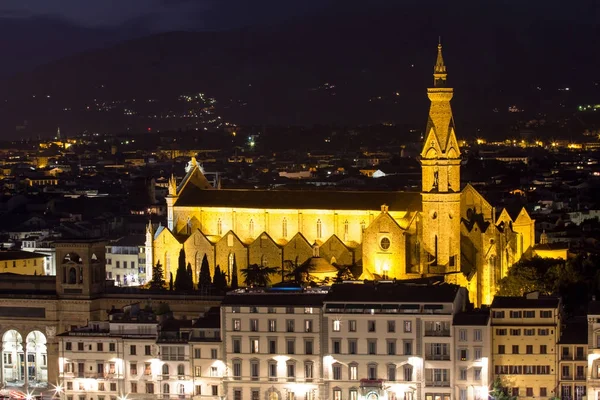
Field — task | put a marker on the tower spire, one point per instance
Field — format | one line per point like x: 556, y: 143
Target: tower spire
x: 439, y: 70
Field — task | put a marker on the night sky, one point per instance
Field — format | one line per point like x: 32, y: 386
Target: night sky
x: 45, y: 30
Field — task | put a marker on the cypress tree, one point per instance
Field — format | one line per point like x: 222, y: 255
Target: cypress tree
x: 158, y: 278
x: 234, y: 272
x: 204, y: 278
x: 181, y: 277
x: 219, y: 280
x: 190, y: 275
x: 170, y: 281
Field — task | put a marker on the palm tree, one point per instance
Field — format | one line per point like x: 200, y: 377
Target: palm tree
x: 257, y: 275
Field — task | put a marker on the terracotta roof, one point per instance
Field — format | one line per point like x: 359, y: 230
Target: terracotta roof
x: 299, y: 199
x: 522, y: 302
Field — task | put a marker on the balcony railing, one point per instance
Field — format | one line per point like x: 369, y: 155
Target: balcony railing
x: 443, y: 332
x: 566, y: 357
x: 437, y: 383
x: 438, y: 357
x: 580, y: 377
x: 567, y: 377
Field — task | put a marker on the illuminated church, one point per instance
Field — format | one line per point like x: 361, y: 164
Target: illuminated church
x: 442, y: 231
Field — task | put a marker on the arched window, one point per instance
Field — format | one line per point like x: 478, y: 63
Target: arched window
x: 251, y: 228
x: 219, y: 227
x: 72, y: 276
x: 346, y: 229
x: 181, y: 370
x: 284, y: 228
x: 230, y: 263
x: 181, y: 389
x: 165, y: 371
x: 363, y: 226
x: 263, y: 260
x: 319, y: 229
x: 166, y: 389
x: 372, y: 371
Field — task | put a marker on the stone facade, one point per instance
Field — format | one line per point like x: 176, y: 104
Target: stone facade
x: 445, y: 230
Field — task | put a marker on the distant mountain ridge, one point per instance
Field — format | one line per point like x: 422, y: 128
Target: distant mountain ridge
x: 378, y: 64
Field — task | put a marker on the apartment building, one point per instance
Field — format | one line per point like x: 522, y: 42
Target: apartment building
x: 272, y: 344
x: 525, y: 336
x: 207, y: 366
x: 126, y: 261
x: 390, y: 341
x: 111, y: 359
x: 472, y: 341
x: 572, y: 364
x: 593, y: 354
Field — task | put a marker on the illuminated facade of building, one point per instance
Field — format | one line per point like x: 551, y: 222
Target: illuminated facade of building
x: 525, y: 337
x: 443, y: 230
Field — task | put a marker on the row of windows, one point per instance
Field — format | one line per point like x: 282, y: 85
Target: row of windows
x: 522, y: 369
x: 522, y: 314
x: 290, y: 370
x: 290, y: 325
x: 528, y: 349
x: 290, y: 346
x: 526, y: 332
x: 406, y: 372
x: 272, y: 310
x: 284, y: 227
x: 118, y: 263
x: 135, y: 387
x: 273, y: 395
x: 352, y: 346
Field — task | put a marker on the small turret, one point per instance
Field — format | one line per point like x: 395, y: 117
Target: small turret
x: 172, y: 186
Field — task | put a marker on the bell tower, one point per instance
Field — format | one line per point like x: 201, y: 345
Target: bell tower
x: 440, y: 193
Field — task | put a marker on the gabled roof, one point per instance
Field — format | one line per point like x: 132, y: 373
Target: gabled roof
x: 192, y: 196
x: 195, y: 177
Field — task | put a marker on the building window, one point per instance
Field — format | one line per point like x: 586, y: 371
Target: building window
x: 150, y: 388
x: 516, y: 314
x: 308, y: 346
x: 291, y: 370
x: 308, y: 371
x: 477, y: 335
x: 237, y: 369
x: 336, y: 325
x: 477, y: 374
x: 391, y: 326
x: 372, y: 371
x: 545, y: 314
x: 462, y: 335
x: 219, y: 227
x: 352, y: 346
x: 251, y: 228
x: 353, y: 372
x: 337, y: 372
x: 272, y: 370
x: 254, y: 370
x: 543, y: 392
x: 213, y: 354
x: 385, y: 243
x: 319, y: 229
x: 391, y: 371
x: 337, y: 394
x: 463, y: 374
x: 272, y: 325
x: 529, y: 349
x: 237, y: 345
x: 237, y: 394
x: 371, y: 326
x: 515, y: 349
x: 289, y: 325
x: 291, y: 346
x: 372, y: 346
x: 197, y: 371
x: 353, y: 394
x: 352, y: 325
x: 336, y: 346
x: 284, y: 231
x: 308, y: 325
x: 407, y: 344
x: 407, y: 326
x: 408, y: 372
x: 272, y: 346
x: 254, y: 325
x: 363, y: 226
x: 254, y: 346
x: 346, y: 229
x: 391, y: 347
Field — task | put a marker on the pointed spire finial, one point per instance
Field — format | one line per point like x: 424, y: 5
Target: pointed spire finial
x: 172, y: 186
x: 439, y: 70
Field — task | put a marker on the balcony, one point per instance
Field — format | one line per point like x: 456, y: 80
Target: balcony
x: 437, y: 357
x: 443, y: 332
x: 437, y: 383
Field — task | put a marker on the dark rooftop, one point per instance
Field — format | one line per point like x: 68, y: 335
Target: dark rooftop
x: 478, y: 318
x: 300, y: 199
x: 19, y: 255
x: 522, y: 302
x: 392, y: 292
x: 575, y: 331
x: 594, y: 307
x: 274, y: 299
x: 130, y: 241
x: 212, y: 319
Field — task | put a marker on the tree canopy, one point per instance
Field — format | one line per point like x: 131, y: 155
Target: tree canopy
x: 258, y: 275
